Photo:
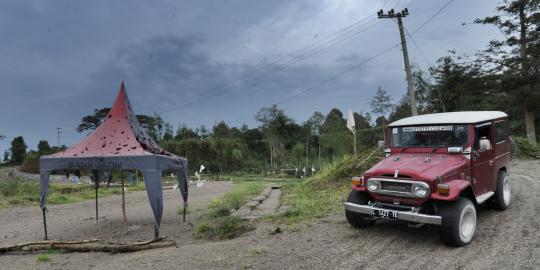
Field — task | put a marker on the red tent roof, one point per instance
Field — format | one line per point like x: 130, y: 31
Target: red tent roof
x: 119, y: 135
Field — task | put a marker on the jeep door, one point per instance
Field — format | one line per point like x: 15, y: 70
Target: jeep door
x: 482, y: 160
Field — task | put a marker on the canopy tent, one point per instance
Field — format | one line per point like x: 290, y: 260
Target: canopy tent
x: 119, y: 143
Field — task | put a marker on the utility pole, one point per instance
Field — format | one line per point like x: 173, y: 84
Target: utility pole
x: 390, y: 15
x: 307, y: 150
x: 58, y: 131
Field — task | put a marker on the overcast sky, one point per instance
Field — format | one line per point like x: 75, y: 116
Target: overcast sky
x: 199, y: 62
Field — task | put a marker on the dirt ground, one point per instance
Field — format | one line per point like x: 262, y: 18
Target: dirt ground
x: 504, y: 240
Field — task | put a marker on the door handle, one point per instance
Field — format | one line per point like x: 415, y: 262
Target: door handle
x: 491, y: 163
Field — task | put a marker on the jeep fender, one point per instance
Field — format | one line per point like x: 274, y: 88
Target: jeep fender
x: 456, y: 187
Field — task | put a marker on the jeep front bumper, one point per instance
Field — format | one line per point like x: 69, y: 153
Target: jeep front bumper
x: 401, y: 215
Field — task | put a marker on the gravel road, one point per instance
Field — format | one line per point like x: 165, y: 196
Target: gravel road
x: 504, y: 240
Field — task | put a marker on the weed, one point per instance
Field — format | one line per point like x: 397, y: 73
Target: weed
x: 257, y: 250
x: 218, y: 222
x: 324, y: 193
x: 17, y: 191
x: 43, y: 257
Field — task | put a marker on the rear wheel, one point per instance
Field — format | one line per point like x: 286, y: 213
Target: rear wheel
x: 503, y: 195
x: 458, y: 222
x: 356, y: 219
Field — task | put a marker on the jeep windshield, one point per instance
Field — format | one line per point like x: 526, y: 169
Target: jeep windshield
x: 429, y: 136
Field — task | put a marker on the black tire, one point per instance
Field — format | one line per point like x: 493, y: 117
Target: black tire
x: 498, y: 201
x: 358, y: 220
x: 455, y: 215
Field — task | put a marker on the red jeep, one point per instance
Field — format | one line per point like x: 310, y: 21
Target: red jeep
x: 438, y: 167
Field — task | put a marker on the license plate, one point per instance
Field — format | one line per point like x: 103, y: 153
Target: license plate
x: 386, y: 214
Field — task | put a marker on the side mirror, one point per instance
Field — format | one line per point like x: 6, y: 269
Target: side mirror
x: 381, y: 144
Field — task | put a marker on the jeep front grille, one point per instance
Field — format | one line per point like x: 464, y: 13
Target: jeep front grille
x: 397, y: 187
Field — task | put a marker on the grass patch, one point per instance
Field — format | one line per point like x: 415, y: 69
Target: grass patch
x: 43, y: 257
x: 17, y: 191
x: 218, y: 223
x: 257, y: 250
x: 325, y: 192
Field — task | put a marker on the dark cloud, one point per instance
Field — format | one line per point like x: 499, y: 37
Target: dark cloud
x: 59, y: 60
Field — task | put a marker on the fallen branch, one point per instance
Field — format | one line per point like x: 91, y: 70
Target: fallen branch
x: 92, y: 245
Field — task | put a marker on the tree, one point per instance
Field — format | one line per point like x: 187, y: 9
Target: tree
x: 335, y: 138
x: 18, y: 150
x: 203, y: 132
x: 168, y: 132
x: 6, y: 156
x: 44, y: 148
x: 153, y: 124
x: 221, y: 130
x: 380, y: 104
x: 275, y: 127
x: 184, y: 132
x: 517, y: 58
x: 92, y: 121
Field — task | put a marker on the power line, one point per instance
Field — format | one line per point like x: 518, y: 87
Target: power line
x: 433, y: 16
x: 356, y: 66
x: 312, y: 49
x: 336, y: 76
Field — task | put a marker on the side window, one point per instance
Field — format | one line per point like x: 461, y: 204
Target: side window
x: 482, y: 133
x: 501, y: 131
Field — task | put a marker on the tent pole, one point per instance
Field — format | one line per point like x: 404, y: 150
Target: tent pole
x: 184, y: 214
x: 44, y: 209
x: 156, y: 231
x: 97, y: 185
x: 123, y: 202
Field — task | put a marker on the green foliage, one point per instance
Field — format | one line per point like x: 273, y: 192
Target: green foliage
x: 43, y: 257
x: 44, y: 148
x: 325, y: 192
x: 18, y: 150
x: 218, y: 222
x: 31, y: 164
x: 16, y: 191
x: 525, y: 149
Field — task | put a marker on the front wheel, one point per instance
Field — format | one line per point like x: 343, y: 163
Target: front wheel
x: 356, y: 219
x: 458, y: 222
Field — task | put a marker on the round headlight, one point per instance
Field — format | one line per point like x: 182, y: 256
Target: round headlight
x: 372, y: 185
x: 421, y: 190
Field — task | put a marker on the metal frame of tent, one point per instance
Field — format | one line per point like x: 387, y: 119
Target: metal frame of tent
x: 119, y: 143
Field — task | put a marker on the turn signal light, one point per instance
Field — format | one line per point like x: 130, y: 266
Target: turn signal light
x: 358, y: 181
x: 443, y: 189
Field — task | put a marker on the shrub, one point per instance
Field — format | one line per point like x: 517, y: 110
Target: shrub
x: 526, y: 149
x: 31, y: 164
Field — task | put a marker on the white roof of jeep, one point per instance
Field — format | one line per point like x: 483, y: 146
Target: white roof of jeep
x: 449, y: 118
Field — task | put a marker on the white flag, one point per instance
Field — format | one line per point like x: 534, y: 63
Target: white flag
x: 350, y: 121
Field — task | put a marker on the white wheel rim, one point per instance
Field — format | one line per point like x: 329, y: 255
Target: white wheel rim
x: 507, y: 190
x: 467, y: 223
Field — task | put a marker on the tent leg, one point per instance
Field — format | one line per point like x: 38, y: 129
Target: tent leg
x: 184, y: 214
x: 124, y: 203
x: 156, y: 231
x: 44, y: 209
x: 97, y: 185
